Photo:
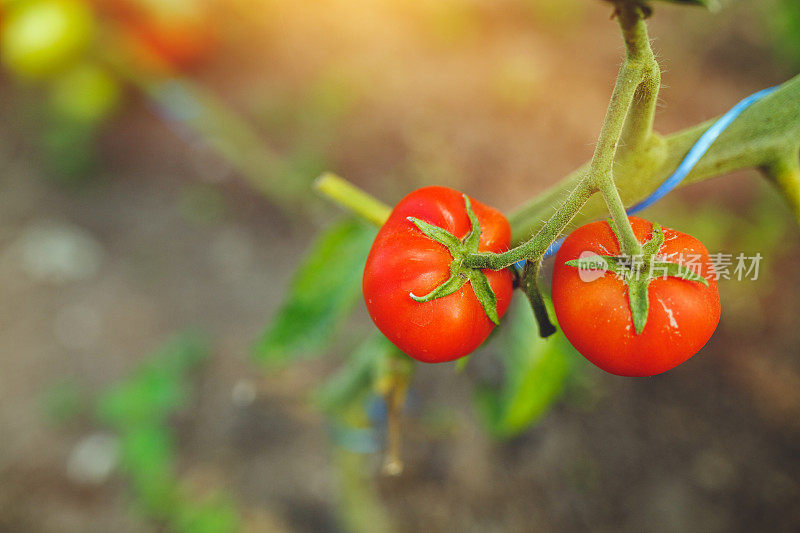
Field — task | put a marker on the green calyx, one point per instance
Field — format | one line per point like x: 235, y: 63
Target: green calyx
x: 459, y: 273
x: 638, y: 271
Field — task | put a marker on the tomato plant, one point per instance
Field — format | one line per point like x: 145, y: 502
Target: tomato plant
x: 594, y: 307
x: 436, y: 287
x: 406, y: 263
x: 42, y: 37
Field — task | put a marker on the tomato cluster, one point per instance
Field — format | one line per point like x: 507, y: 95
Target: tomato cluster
x: 594, y: 312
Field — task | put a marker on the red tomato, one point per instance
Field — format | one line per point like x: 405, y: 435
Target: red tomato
x: 162, y: 37
x: 403, y: 260
x: 168, y: 45
x: 596, y: 316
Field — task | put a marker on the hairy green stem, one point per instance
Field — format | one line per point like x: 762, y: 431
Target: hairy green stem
x: 535, y: 247
x: 639, y: 125
x: 759, y: 136
x: 763, y: 136
x: 630, y: 77
x: 599, y: 175
x: 629, y: 244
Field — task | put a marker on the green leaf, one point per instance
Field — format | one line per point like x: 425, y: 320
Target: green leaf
x: 322, y: 293
x: 148, y: 460
x: 356, y: 377
x: 217, y: 515
x: 157, y: 388
x: 138, y: 409
x: 535, y: 373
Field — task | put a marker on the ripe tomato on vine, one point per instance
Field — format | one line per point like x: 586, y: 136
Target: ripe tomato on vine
x: 596, y: 309
x: 406, y: 263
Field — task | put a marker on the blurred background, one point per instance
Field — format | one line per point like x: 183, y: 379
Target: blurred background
x: 156, y: 159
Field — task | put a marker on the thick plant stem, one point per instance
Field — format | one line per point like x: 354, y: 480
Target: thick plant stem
x: 639, y: 125
x: 352, y: 198
x: 599, y: 175
x: 762, y: 132
x: 395, y: 398
x: 629, y: 244
x: 621, y: 99
x: 534, y: 248
x: 534, y: 294
x: 631, y: 75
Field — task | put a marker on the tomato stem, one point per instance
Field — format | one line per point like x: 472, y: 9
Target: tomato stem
x: 534, y: 248
x: 352, y: 198
x: 638, y: 130
x: 535, y: 298
x: 395, y: 398
x: 629, y: 244
x: 638, y: 69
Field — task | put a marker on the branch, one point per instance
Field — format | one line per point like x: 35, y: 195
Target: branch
x: 352, y: 198
x: 760, y: 136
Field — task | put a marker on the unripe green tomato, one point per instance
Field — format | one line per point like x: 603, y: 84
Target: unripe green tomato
x: 42, y: 37
x: 86, y: 93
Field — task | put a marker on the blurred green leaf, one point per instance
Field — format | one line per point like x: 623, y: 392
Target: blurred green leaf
x: 535, y: 373
x: 357, y: 376
x: 156, y: 389
x: 138, y: 409
x: 215, y: 516
x: 148, y: 458
x: 149, y: 397
x: 783, y: 25
x: 322, y: 293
